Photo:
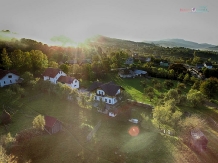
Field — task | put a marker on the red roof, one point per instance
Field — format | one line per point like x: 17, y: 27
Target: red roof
x: 5, y: 72
x: 49, y: 121
x: 51, y: 72
x: 66, y: 79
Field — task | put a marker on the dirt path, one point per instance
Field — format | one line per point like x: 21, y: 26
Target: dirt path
x: 210, y: 104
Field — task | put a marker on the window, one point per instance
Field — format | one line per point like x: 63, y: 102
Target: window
x: 4, y: 82
x: 9, y: 76
x: 75, y: 81
x: 74, y: 85
x: 109, y: 101
x: 105, y: 100
x: 10, y: 81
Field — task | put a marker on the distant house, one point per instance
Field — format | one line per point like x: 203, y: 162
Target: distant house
x: 139, y: 72
x: 198, y: 140
x: 52, y: 74
x: 126, y: 73
x: 52, y: 125
x: 107, y: 92
x: 135, y: 55
x: 164, y: 63
x: 71, y: 81
x: 148, y: 59
x: 208, y: 65
x: 199, y: 65
x: 129, y: 61
x: 8, y: 77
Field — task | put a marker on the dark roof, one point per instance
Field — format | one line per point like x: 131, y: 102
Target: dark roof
x: 5, y: 72
x: 94, y: 86
x: 51, y: 72
x: 66, y: 79
x: 50, y: 121
x: 208, y: 63
x: 109, y: 88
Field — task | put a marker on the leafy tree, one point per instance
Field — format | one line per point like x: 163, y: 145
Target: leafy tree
x: 150, y: 95
x: 168, y: 84
x: 53, y: 64
x: 64, y: 68
x: 158, y: 86
x: 167, y: 114
x: 195, y: 97
x: 39, y: 60
x: 39, y: 122
x: 186, y: 78
x: 6, y: 61
x: 172, y: 94
x: 209, y: 87
x: 27, y: 77
x: 196, y: 85
x: 181, y: 86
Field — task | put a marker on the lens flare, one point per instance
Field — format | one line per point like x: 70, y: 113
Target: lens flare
x: 134, y: 131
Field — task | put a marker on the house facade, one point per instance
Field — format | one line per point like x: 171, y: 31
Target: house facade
x: 70, y: 81
x: 107, y: 92
x: 52, y: 125
x: 8, y: 77
x: 53, y: 74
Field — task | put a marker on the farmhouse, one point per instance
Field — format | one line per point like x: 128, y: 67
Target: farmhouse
x: 107, y: 92
x: 208, y: 65
x: 8, y: 77
x: 52, y: 74
x: 52, y: 125
x: 71, y: 81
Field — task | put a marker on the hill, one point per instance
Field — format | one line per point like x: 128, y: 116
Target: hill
x: 181, y: 43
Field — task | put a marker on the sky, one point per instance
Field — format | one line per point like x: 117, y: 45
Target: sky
x: 136, y: 20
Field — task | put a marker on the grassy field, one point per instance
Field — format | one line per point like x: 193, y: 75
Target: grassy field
x: 114, y: 141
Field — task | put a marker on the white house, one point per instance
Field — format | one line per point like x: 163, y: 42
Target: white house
x: 208, y: 65
x: 107, y: 92
x: 52, y: 74
x: 8, y: 77
x: 72, y: 82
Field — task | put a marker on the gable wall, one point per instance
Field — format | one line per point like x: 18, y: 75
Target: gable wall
x: 7, y: 81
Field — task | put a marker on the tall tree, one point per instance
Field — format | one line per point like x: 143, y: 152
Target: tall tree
x: 6, y: 61
x: 209, y: 87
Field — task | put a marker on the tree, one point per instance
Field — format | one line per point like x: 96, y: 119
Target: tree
x: 150, y: 95
x: 6, y: 61
x: 167, y: 114
x: 168, y: 84
x: 172, y: 94
x: 64, y: 68
x: 53, y: 64
x: 209, y: 87
x: 195, y: 97
x: 186, y: 78
x: 39, y: 122
x: 39, y: 60
x: 27, y: 77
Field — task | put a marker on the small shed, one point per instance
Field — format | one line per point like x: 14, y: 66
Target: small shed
x: 52, y: 125
x: 198, y: 140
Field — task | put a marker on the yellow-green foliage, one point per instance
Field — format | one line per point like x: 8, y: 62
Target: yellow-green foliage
x: 39, y: 122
